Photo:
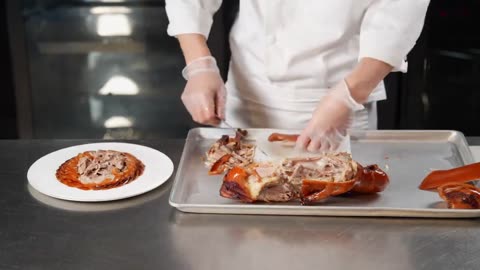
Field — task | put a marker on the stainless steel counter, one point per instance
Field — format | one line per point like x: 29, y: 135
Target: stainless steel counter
x: 38, y: 232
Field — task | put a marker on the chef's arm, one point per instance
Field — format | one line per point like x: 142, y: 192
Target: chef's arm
x: 365, y: 77
x: 193, y: 46
x: 388, y: 32
x: 191, y: 21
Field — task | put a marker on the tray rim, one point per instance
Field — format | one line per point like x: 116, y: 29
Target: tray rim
x: 317, y: 210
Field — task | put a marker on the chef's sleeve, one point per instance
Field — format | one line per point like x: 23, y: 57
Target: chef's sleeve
x: 390, y: 29
x: 191, y: 16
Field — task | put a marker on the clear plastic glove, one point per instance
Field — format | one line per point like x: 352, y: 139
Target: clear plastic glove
x: 330, y: 121
x: 204, y: 94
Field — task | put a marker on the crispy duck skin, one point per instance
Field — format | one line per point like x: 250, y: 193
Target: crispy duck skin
x: 314, y: 191
x: 220, y: 165
x: 459, y: 175
x: 453, y: 186
x: 460, y: 196
x: 371, y: 180
x: 235, y: 185
x: 280, y: 137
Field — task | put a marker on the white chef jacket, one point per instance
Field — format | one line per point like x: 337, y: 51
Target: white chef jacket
x: 286, y: 54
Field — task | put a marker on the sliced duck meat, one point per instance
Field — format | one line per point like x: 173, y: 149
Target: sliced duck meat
x: 228, y: 152
x: 277, y: 192
x: 100, y: 165
x: 100, y: 169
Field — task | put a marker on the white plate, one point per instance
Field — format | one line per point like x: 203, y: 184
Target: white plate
x: 158, y: 169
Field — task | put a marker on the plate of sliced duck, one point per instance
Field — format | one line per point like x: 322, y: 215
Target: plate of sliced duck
x: 100, y: 172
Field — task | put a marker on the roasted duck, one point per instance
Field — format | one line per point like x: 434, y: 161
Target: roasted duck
x: 308, y: 179
x: 228, y: 152
x: 102, y: 169
x: 454, y: 186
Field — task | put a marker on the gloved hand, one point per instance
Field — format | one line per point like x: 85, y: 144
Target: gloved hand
x: 330, y: 121
x: 204, y: 94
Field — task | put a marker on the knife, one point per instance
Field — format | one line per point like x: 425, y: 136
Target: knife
x: 235, y: 129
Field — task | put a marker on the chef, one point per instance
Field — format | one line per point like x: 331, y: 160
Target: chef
x: 312, y: 65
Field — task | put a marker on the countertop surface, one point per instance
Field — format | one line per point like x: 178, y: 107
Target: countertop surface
x: 145, y: 232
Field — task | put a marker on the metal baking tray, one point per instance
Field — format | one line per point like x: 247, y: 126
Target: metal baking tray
x: 406, y: 156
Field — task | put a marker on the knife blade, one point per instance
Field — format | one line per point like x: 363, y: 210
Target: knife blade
x: 235, y: 130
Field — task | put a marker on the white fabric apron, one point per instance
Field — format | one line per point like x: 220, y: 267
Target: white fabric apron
x: 255, y: 101
x: 284, y: 110
x: 244, y: 114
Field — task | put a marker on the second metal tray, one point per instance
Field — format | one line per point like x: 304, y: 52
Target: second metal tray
x: 406, y: 156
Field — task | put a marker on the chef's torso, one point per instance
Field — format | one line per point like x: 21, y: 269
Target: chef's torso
x: 287, y: 53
